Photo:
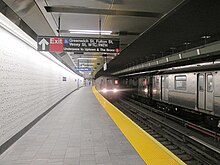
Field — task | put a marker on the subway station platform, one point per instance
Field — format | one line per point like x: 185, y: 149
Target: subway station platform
x: 78, y: 131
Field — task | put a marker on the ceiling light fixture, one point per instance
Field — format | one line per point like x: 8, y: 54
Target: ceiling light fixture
x: 102, y: 32
x: 85, y: 63
x: 87, y: 58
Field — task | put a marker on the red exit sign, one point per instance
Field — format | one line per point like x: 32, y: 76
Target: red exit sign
x: 56, y: 45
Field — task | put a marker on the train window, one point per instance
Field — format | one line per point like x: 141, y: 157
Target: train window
x: 209, y: 83
x: 201, y: 82
x: 109, y: 82
x: 144, y: 82
x: 134, y: 83
x: 162, y: 80
x: 126, y: 82
x: 156, y: 81
x: 167, y: 83
x: 180, y: 82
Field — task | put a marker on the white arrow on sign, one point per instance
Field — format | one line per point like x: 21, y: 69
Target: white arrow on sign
x: 43, y: 42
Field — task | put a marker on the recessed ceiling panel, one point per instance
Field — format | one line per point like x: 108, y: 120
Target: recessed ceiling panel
x: 78, y: 21
x: 82, y: 3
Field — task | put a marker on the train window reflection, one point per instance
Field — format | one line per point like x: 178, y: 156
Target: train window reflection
x: 201, y: 82
x: 109, y: 82
x: 162, y: 80
x: 209, y: 83
x: 180, y: 82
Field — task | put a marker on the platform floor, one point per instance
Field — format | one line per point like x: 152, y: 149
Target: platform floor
x: 78, y: 131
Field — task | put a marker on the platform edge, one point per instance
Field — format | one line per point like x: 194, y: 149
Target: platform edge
x: 123, y: 122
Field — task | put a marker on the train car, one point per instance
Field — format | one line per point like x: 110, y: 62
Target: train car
x: 195, y: 88
x: 199, y: 90
x: 108, y: 86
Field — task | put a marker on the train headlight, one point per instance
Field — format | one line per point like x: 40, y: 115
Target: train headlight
x: 145, y: 90
x: 104, y: 90
x: 115, y: 90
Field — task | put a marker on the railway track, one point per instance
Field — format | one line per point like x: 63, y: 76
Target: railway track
x: 182, y: 121
x: 183, y: 143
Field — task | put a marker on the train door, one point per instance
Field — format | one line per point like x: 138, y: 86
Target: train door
x: 205, y: 91
x: 150, y: 86
x: 164, y: 88
x: 209, y: 92
x: 141, y: 86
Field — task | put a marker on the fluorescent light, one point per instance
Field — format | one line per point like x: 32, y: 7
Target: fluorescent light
x: 84, y: 58
x: 85, y: 63
x: 90, y: 32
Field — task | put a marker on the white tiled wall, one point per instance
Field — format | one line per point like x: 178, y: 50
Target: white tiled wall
x: 30, y: 83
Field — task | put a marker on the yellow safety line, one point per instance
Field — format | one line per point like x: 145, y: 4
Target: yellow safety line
x: 150, y: 150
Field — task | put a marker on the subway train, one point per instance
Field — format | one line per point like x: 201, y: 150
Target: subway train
x: 108, y: 86
x: 192, y: 89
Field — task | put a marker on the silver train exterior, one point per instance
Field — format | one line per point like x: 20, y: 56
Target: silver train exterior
x: 196, y: 88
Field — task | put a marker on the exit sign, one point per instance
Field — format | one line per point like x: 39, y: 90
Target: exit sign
x: 56, y: 45
x: 78, y: 44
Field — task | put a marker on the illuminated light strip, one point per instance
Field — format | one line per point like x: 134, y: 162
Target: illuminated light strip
x: 150, y: 150
x: 85, y: 62
x: 90, y: 32
x: 87, y: 58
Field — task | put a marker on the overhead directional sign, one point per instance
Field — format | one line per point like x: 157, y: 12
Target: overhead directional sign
x: 83, y: 69
x: 78, y: 44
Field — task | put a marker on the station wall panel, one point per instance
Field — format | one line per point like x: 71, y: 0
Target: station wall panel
x: 30, y: 83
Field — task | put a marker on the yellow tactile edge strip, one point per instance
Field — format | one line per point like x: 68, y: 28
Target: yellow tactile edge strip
x: 149, y: 149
